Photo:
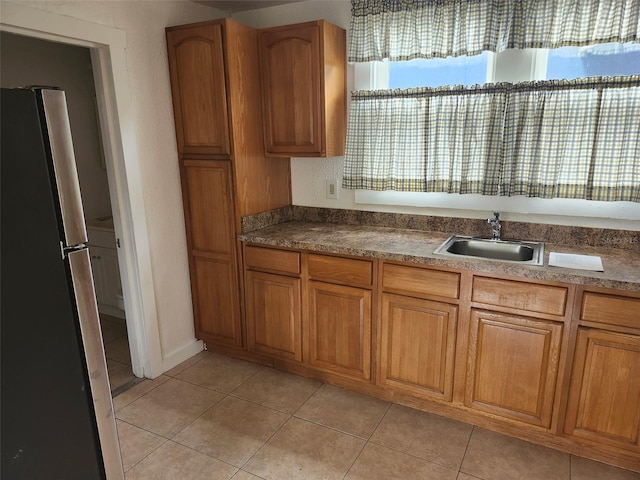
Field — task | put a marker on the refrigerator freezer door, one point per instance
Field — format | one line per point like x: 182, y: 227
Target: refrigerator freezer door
x: 54, y: 103
x: 96, y: 365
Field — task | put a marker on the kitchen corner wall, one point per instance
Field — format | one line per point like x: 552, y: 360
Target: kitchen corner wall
x: 144, y: 25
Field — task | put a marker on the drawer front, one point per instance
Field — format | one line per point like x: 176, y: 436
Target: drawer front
x: 259, y: 258
x: 421, y: 281
x: 611, y: 309
x: 530, y: 297
x: 341, y: 270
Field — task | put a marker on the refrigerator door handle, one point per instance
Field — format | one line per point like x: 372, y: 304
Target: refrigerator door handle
x: 84, y: 291
x: 64, y: 164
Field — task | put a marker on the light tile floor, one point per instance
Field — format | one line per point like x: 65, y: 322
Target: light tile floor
x: 117, y: 351
x: 214, y: 417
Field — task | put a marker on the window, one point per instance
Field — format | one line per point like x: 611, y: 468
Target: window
x: 607, y: 59
x: 508, y: 66
x: 595, y: 60
x: 440, y: 71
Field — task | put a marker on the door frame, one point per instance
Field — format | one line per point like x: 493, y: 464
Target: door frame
x: 108, y: 56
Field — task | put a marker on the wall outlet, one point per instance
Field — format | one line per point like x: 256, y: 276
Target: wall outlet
x: 332, y: 188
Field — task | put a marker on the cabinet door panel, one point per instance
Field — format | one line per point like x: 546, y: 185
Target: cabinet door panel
x: 199, y: 92
x: 417, y: 346
x: 273, y: 315
x: 216, y: 312
x: 211, y: 241
x: 209, y: 207
x: 604, y: 397
x: 513, y: 366
x: 290, y: 60
x: 340, y: 329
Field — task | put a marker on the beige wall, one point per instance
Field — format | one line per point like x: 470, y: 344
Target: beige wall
x: 30, y: 61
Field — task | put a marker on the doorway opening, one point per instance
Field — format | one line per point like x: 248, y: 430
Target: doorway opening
x: 31, y: 61
x: 107, y: 48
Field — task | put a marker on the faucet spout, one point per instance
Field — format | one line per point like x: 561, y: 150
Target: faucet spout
x: 495, y: 226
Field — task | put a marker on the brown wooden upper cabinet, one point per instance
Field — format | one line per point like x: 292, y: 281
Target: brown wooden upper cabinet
x: 303, y: 70
x: 199, y: 91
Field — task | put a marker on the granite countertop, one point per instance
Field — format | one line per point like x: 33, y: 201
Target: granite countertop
x: 621, y: 266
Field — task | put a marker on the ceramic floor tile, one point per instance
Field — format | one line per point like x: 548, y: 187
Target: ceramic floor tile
x: 135, y: 392
x: 584, y: 469
x: 464, y: 476
x: 279, y: 390
x: 118, y: 379
x: 343, y: 410
x: 113, y: 366
x: 172, y: 461
x: 242, y: 475
x: 232, y: 431
x: 111, y: 330
x: 135, y: 443
x: 381, y: 463
x: 118, y: 350
x: 187, y: 363
x: 169, y: 408
x: 424, y: 435
x: 304, y: 450
x: 493, y: 456
x: 219, y: 373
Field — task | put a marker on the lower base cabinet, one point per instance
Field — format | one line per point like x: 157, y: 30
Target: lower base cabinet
x: 417, y: 346
x: 604, y: 397
x: 273, y: 315
x: 484, y: 350
x: 513, y: 366
x: 213, y: 284
x: 340, y: 329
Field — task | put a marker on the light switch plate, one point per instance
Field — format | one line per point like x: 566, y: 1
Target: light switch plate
x: 332, y: 188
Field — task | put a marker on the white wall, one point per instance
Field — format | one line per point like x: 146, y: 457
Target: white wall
x: 308, y: 175
x: 146, y: 61
x: 30, y: 61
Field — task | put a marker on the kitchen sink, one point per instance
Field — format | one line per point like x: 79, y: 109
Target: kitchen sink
x: 519, y: 251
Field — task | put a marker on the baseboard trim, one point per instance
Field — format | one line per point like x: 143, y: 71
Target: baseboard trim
x: 179, y: 355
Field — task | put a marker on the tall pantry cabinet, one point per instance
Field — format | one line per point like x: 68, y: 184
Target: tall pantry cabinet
x: 215, y: 84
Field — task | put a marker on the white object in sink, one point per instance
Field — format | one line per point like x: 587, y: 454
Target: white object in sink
x: 581, y: 262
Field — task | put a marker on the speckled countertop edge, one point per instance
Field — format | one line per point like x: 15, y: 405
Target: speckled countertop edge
x: 621, y: 266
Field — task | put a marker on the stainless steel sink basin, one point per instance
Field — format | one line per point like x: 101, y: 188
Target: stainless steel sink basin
x: 530, y: 253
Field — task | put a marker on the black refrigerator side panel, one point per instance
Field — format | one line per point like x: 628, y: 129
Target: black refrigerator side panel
x: 48, y: 428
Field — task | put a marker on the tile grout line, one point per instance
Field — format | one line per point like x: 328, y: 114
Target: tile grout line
x: 264, y: 443
x: 466, y: 449
x: 364, y: 445
x: 165, y: 440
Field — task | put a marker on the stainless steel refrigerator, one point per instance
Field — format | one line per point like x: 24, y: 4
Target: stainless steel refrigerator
x: 57, y: 418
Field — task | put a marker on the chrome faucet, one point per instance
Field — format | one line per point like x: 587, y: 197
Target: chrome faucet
x: 495, y: 226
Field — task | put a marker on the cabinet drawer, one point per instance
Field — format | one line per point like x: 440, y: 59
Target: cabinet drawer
x: 421, y: 281
x: 341, y: 270
x: 530, y: 297
x: 259, y: 258
x: 611, y: 309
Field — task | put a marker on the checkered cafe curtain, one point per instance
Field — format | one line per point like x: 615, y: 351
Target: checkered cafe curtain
x: 550, y: 139
x: 407, y: 29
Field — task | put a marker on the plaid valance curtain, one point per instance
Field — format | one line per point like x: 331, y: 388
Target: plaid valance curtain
x: 551, y: 139
x: 406, y: 29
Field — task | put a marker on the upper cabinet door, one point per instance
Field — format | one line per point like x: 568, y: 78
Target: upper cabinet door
x: 303, y: 89
x: 196, y: 62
